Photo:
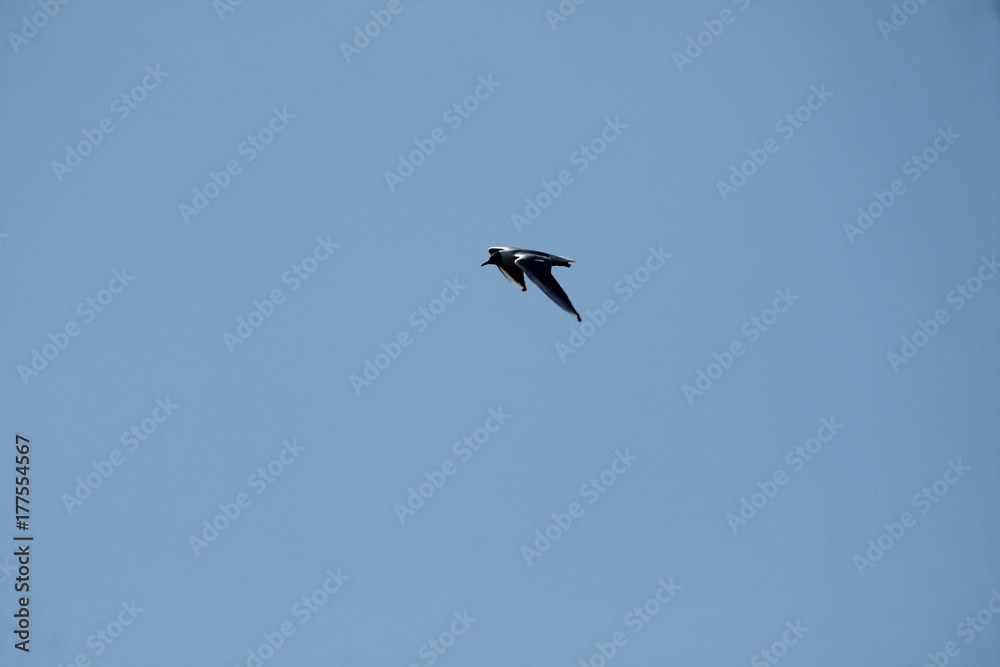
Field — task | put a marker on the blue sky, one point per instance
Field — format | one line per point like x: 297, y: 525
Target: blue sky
x: 773, y: 438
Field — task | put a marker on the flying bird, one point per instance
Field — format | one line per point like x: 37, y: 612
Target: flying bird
x: 515, y: 263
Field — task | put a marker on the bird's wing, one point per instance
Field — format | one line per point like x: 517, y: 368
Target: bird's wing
x: 539, y: 269
x: 557, y: 260
x: 515, y: 275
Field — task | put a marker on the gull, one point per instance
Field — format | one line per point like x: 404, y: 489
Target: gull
x: 515, y: 263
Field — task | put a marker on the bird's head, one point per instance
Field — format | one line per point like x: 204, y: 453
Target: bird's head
x: 494, y: 259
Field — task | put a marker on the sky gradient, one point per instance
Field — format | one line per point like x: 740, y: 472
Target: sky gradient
x: 279, y: 415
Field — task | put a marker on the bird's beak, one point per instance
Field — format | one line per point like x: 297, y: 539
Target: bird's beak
x: 485, y: 263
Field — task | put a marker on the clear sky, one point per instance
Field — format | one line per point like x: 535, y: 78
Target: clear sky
x: 279, y: 415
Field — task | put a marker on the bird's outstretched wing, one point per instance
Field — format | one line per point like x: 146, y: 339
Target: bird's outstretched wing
x: 515, y: 275
x: 539, y: 269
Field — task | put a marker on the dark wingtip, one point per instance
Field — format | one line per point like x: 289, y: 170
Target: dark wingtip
x: 578, y: 318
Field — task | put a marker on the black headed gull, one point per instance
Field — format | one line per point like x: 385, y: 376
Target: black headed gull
x: 515, y: 263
